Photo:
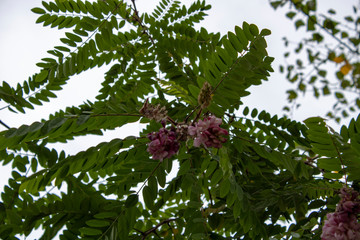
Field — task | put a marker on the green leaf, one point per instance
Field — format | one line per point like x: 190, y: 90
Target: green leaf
x: 184, y: 167
x: 104, y: 215
x: 132, y: 200
x: 43, y: 18
x: 97, y: 223
x: 63, y: 49
x: 254, y: 29
x: 254, y: 113
x: 41, y: 76
x: 224, y: 188
x: 312, y: 120
x: 246, y: 111
x: 291, y: 14
x: 148, y: 197
x: 73, y: 37
x: 235, y: 42
x: 329, y: 164
x: 38, y: 10
x: 194, y: 90
x: 333, y: 175
x: 90, y: 231
x: 299, y: 23
x: 248, y: 34
x: 265, y: 32
x: 311, y: 23
x: 241, y: 36
x: 211, y: 168
x: 217, y: 176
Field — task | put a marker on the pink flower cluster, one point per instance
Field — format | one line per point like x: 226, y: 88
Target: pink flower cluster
x: 343, y: 223
x: 208, y: 132
x: 163, y: 144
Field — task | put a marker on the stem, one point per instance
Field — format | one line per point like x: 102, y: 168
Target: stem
x: 5, y: 125
x: 112, y: 224
x: 151, y: 174
x: 138, y: 19
x: 171, y: 120
x: 225, y: 75
x: 341, y: 160
x: 188, y: 116
x: 108, y: 115
x: 153, y: 229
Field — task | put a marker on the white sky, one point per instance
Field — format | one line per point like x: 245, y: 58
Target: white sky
x: 23, y: 43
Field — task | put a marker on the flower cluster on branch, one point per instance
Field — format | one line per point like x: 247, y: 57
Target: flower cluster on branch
x: 343, y: 224
x: 208, y: 132
x: 166, y: 142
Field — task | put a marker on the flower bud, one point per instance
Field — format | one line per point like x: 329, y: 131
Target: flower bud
x: 152, y: 112
x: 205, y: 95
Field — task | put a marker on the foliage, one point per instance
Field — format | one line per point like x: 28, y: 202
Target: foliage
x: 273, y: 177
x: 326, y: 61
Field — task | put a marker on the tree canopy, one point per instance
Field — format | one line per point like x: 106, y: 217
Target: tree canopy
x: 242, y: 173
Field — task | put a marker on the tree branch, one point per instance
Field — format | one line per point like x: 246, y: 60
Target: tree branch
x: 5, y: 125
x: 153, y: 229
x: 137, y: 18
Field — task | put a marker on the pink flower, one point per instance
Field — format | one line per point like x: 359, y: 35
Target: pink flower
x: 163, y: 144
x: 208, y: 132
x: 343, y: 223
x: 335, y: 228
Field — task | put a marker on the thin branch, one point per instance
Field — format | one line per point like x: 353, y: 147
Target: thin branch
x: 153, y: 229
x: 226, y: 74
x: 111, y: 225
x: 340, y: 158
x: 191, y: 113
x: 210, y: 197
x: 310, y: 162
x: 137, y: 18
x: 107, y: 115
x: 5, y: 125
x: 22, y: 154
x: 151, y: 174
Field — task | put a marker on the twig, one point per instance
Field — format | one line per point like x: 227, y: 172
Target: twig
x: 188, y: 116
x: 138, y: 19
x: 111, y: 225
x: 341, y: 160
x: 153, y: 229
x: 106, y: 115
x: 309, y: 161
x: 151, y: 174
x: 5, y: 125
x: 210, y: 197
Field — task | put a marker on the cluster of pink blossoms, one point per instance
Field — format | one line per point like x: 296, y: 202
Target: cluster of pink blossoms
x: 343, y: 224
x: 164, y: 144
x: 207, y: 132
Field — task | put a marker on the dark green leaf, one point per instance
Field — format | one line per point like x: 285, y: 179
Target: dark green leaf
x: 38, y: 10
x: 132, y: 200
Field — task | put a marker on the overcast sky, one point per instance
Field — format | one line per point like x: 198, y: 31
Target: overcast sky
x: 23, y: 43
